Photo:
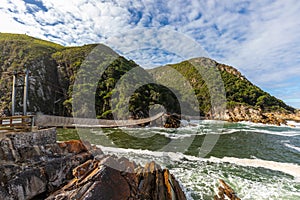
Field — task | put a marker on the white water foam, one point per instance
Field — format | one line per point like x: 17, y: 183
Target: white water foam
x: 207, y: 127
x: 292, y: 147
x: 281, y: 133
x: 293, y: 123
x: 288, y: 168
x: 199, y: 177
x: 203, y: 178
x: 173, y: 156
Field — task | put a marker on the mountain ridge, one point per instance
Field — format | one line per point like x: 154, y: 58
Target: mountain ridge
x: 54, y: 68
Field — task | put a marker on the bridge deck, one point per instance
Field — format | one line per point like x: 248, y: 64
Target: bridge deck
x: 70, y: 122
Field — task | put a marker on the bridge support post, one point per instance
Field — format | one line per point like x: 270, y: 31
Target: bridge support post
x: 25, y: 92
x: 13, y: 94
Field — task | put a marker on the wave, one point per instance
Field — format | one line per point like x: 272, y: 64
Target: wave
x: 288, y: 168
x: 293, y: 123
x: 199, y: 175
x: 204, y: 127
x: 287, y: 133
x: 292, y: 147
x: 173, y: 156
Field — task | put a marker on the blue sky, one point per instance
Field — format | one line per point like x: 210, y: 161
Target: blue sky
x: 260, y: 38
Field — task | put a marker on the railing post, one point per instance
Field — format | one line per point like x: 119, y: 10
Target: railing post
x: 10, y: 122
x: 23, y: 124
x: 32, y: 122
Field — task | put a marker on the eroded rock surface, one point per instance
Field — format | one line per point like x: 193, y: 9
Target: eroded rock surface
x: 34, y: 165
x: 225, y: 192
x: 113, y: 178
x: 246, y: 113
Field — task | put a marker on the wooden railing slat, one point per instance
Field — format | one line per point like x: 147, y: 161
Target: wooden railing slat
x: 16, y: 122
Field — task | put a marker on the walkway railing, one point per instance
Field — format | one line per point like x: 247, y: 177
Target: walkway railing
x: 69, y: 122
x: 17, y: 123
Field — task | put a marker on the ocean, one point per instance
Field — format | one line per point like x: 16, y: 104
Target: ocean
x: 258, y: 161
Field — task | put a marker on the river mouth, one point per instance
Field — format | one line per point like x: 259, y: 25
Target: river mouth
x: 258, y: 161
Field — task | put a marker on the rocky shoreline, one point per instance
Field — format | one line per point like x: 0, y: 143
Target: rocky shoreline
x: 35, y: 166
x: 256, y: 115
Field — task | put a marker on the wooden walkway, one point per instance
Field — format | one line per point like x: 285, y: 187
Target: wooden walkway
x: 16, y: 123
x: 70, y: 122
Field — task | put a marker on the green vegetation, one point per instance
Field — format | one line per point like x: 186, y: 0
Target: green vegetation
x: 107, y: 83
x: 120, y: 85
x: 241, y: 91
x: 28, y: 39
x: 149, y: 97
x: 68, y: 61
x: 18, y: 52
x: 67, y: 134
x: 238, y: 90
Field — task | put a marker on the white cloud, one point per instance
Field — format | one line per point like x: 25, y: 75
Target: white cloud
x: 261, y: 38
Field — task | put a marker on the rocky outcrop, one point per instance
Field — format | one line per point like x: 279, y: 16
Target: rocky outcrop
x: 231, y: 70
x: 247, y: 113
x: 113, y: 178
x: 225, y: 192
x: 289, y: 116
x: 171, y: 121
x: 34, y: 165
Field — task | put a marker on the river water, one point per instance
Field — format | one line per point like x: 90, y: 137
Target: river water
x: 258, y: 161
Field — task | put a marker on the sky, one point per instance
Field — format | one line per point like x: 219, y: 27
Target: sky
x: 261, y: 38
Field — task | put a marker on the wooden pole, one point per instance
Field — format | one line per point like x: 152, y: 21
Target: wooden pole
x: 25, y: 92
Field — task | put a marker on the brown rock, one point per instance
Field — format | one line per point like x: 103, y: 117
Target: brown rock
x: 73, y: 146
x: 70, y: 168
x: 33, y: 164
x: 225, y: 192
x: 172, y: 121
x: 167, y: 184
x: 247, y: 113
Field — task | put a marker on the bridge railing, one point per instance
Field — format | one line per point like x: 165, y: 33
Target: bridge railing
x: 70, y: 122
x: 17, y: 123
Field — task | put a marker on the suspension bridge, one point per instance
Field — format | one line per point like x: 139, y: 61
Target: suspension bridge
x: 26, y: 123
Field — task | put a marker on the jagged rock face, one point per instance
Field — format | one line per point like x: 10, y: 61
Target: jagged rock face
x: 17, y: 55
x: 112, y: 178
x: 225, y: 192
x: 44, y: 87
x: 207, y: 62
x: 246, y: 113
x: 288, y: 116
x: 231, y: 70
x: 34, y: 165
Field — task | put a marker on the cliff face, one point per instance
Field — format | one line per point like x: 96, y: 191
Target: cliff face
x: 52, y: 73
x: 18, y: 52
x: 34, y: 165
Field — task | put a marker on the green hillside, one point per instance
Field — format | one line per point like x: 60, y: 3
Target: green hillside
x: 54, y: 68
x: 238, y: 90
